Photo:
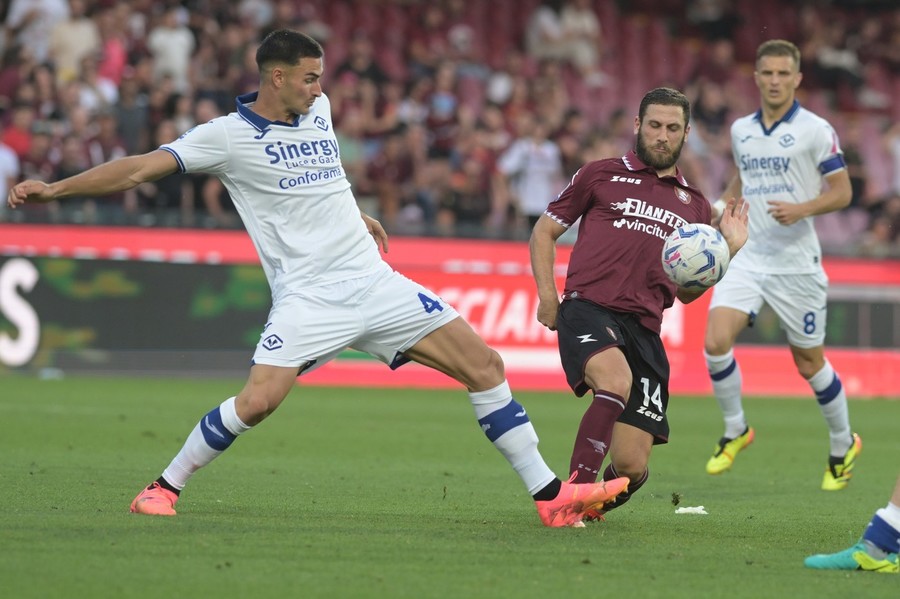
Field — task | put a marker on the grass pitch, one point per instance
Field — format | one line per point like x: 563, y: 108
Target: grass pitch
x: 387, y: 493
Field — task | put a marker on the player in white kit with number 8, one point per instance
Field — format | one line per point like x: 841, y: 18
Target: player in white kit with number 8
x: 790, y: 168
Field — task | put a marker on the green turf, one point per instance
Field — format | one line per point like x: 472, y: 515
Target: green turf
x: 360, y: 493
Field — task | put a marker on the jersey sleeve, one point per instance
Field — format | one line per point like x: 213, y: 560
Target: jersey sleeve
x: 204, y: 148
x: 829, y: 156
x: 575, y: 199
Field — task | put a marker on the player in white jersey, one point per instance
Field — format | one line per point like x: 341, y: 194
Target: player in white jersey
x: 279, y: 159
x: 790, y: 168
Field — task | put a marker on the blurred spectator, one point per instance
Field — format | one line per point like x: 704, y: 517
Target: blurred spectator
x: 15, y: 67
x: 569, y: 31
x: 413, y: 108
x: 501, y: 82
x: 532, y: 171
x: 851, y: 140
x: 467, y: 203
x: 215, y: 209
x: 582, y: 30
x: 890, y: 140
x: 39, y: 161
x: 497, y: 136
x: 834, y: 62
x: 171, y: 43
x: 96, y: 93
x: 393, y: 177
x: 17, y: 134
x: 714, y: 19
x: 45, y: 101
x: 882, y: 238
x: 105, y: 145
x: 132, y: 116
x: 717, y: 63
x: 113, y: 25
x: 360, y: 61
x: 72, y: 40
x: 571, y: 139
x: 601, y: 145
x: 31, y: 23
x: 168, y: 201
x: 180, y: 110
x: 306, y: 19
x: 442, y: 117
x: 351, y: 141
x: 427, y: 45
x: 9, y: 172
x: 549, y: 86
x: 257, y: 13
x: 73, y: 160
x: 463, y: 50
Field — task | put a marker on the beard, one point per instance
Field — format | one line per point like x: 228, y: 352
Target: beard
x: 654, y: 160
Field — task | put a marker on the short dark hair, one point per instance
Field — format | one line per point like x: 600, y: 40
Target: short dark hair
x: 779, y: 48
x: 667, y: 97
x: 286, y: 46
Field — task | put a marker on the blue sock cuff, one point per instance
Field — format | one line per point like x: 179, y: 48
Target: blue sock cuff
x: 830, y: 392
x: 214, y: 431
x: 497, y: 423
x: 883, y: 535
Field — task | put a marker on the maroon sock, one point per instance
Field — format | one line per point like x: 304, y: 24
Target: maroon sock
x: 610, y: 474
x: 594, y: 435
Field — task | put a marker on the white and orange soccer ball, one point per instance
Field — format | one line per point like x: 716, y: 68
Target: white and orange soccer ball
x: 695, y: 256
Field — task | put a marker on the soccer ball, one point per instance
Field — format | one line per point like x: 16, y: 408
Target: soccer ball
x: 695, y: 256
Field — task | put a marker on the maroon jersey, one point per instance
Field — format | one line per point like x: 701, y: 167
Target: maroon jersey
x: 626, y: 213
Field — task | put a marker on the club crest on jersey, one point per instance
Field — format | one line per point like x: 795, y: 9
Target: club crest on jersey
x: 321, y: 123
x: 786, y: 140
x: 683, y: 196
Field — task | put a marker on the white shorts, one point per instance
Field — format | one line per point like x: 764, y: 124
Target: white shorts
x: 799, y: 301
x: 383, y: 314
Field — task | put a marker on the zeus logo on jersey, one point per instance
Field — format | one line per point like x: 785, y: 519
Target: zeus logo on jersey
x: 305, y: 153
x: 621, y: 179
x: 778, y: 164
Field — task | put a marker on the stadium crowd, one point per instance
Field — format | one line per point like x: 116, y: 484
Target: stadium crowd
x: 454, y: 117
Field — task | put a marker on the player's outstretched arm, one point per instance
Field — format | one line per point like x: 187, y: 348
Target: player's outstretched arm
x: 376, y: 231
x: 111, y: 177
x: 733, y: 224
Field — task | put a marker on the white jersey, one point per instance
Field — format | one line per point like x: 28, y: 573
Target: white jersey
x: 788, y: 163
x: 288, y: 185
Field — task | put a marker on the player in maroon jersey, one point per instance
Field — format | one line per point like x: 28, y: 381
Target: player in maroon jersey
x: 609, y: 319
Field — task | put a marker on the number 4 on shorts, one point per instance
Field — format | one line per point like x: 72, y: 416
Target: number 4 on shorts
x: 430, y: 304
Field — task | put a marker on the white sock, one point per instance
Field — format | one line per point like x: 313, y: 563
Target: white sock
x: 891, y: 515
x: 725, y: 374
x: 833, y: 403
x: 211, y: 436
x: 506, y: 425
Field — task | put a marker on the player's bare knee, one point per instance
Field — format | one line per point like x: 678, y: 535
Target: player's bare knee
x: 631, y: 466
x: 489, y: 372
x: 254, y: 407
x: 612, y: 382
x: 808, y: 365
x: 716, y: 345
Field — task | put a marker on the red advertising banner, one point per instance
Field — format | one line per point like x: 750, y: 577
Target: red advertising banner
x: 490, y: 284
